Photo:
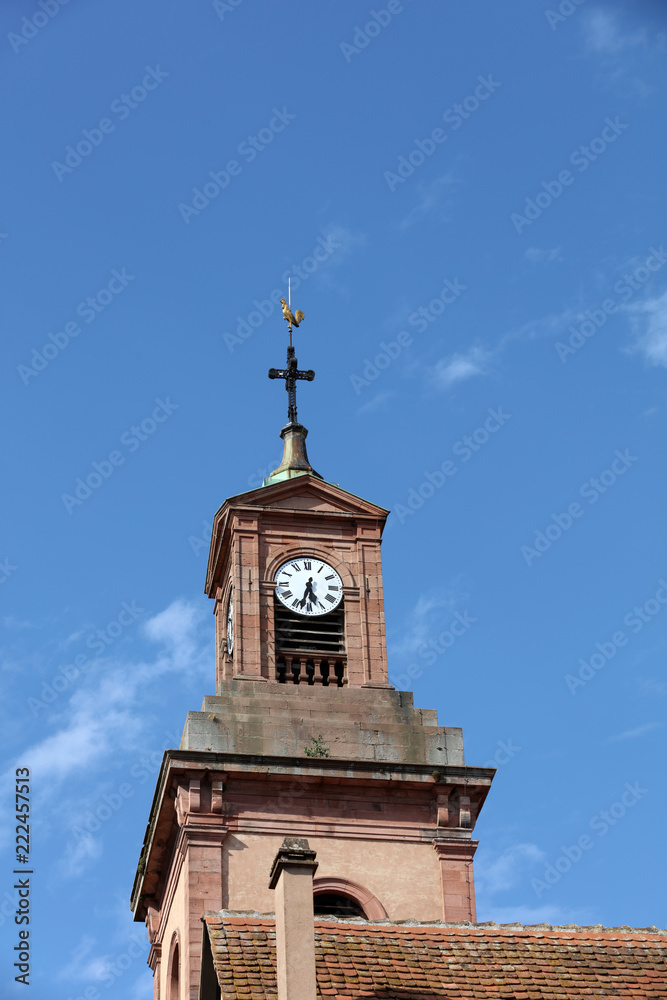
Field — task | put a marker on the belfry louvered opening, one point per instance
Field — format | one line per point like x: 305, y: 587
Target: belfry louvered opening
x: 310, y: 650
x: 297, y: 633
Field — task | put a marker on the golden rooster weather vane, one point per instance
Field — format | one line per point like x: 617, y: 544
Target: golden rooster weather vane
x: 291, y: 372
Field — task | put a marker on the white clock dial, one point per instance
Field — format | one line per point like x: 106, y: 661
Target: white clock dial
x: 230, y: 626
x: 308, y: 586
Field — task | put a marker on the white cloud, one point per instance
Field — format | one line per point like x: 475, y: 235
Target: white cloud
x: 348, y: 240
x: 83, y: 965
x: 427, y: 618
x: 507, y: 869
x: 108, y: 968
x: 86, y: 737
x: 636, y: 733
x: 604, y: 35
x: 104, y: 710
x: 650, y: 687
x: 458, y: 367
x: 537, y: 256
x: 326, y: 276
x: 175, y: 627
x: 546, y: 326
x: 433, y: 199
x: 79, y: 854
x: 650, y: 325
x: 376, y: 403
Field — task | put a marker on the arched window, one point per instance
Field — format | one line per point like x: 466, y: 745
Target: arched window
x: 173, y: 972
x: 335, y: 904
x: 340, y: 897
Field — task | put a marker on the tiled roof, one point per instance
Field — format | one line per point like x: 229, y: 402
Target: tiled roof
x: 413, y: 961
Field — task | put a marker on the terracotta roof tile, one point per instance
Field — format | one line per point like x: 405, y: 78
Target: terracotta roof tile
x: 358, y: 959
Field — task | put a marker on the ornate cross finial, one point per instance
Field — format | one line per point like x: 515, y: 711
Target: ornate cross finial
x: 291, y: 372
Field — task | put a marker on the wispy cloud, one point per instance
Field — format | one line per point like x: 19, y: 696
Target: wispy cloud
x: 458, y: 367
x: 434, y: 199
x: 649, y: 320
x: 604, y: 34
x: 427, y: 618
x: 348, y: 239
x: 348, y: 242
x: 378, y: 402
x: 497, y: 873
x: 650, y: 687
x: 105, y: 713
x: 636, y: 733
x: 506, y: 869
x: 537, y: 256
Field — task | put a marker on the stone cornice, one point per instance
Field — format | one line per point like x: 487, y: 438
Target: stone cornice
x: 179, y: 764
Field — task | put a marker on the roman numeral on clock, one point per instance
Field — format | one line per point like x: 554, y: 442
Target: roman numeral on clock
x: 306, y: 565
x: 330, y: 577
x: 287, y: 593
x: 330, y: 598
x: 296, y: 567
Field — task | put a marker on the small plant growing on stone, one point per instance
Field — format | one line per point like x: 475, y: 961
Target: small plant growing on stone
x: 317, y: 748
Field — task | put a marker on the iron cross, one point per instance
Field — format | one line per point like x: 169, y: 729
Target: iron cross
x: 291, y: 373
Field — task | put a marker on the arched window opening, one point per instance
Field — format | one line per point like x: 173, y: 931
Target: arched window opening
x: 335, y: 904
x: 340, y: 897
x: 174, y: 975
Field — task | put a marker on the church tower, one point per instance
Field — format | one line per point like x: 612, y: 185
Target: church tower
x: 304, y: 736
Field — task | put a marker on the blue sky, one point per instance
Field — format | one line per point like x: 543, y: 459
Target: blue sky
x: 473, y: 197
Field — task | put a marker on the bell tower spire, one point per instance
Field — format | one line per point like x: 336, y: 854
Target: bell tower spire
x: 295, y: 457
x: 304, y: 737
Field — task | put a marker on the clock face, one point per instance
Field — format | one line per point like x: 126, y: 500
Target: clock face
x: 308, y: 586
x: 230, y: 626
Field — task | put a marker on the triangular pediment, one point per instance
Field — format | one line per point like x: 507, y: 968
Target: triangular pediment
x: 308, y: 493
